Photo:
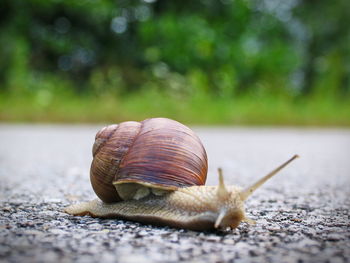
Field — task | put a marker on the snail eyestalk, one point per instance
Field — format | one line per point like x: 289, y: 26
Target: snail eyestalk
x: 249, y: 190
x: 222, y: 191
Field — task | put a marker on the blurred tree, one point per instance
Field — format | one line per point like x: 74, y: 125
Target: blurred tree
x: 327, y: 25
x: 222, y: 48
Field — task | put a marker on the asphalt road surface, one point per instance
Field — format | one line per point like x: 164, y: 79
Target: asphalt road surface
x: 302, y: 214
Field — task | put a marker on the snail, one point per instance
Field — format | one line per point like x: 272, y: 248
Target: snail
x: 154, y: 172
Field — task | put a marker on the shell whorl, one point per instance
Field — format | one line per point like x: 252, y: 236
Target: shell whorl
x: 157, y: 152
x: 111, y: 145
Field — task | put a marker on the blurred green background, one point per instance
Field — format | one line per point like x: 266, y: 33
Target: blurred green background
x: 258, y: 62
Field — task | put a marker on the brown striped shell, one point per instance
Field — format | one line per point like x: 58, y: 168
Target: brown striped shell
x: 158, y: 153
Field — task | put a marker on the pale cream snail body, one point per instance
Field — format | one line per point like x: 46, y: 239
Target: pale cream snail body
x: 154, y: 172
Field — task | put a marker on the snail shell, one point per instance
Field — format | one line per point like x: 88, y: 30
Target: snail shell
x: 132, y: 159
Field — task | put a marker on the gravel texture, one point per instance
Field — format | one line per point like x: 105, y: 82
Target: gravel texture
x: 302, y: 214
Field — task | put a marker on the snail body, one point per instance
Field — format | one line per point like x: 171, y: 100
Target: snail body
x: 195, y: 208
x: 170, y: 191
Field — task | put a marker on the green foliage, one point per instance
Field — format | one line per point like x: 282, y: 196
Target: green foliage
x: 206, y: 61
